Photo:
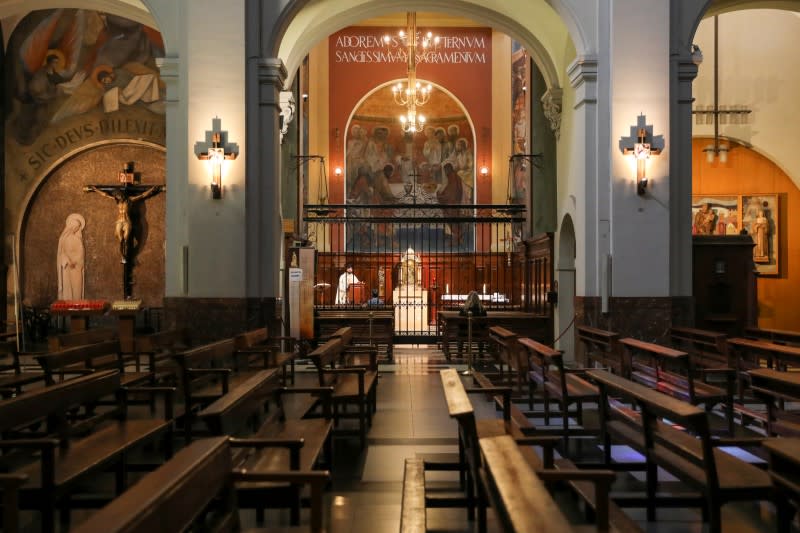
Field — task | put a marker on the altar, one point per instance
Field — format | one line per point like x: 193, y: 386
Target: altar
x: 410, y: 300
x: 410, y: 309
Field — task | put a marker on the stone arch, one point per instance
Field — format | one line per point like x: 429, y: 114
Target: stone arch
x: 565, y: 275
x: 60, y: 192
x: 300, y: 26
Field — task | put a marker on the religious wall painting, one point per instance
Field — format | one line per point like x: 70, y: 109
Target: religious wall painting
x: 757, y: 215
x: 384, y: 166
x: 519, y: 173
x: 75, y: 77
x: 715, y: 215
x: 760, y: 218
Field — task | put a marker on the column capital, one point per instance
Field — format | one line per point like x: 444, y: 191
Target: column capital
x: 271, y: 70
x: 582, y: 74
x: 271, y: 74
x: 551, y: 104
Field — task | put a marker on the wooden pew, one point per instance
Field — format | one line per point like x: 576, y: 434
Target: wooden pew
x: 602, y: 348
x: 774, y: 387
x: 778, y: 336
x: 63, y: 453
x: 84, y: 359
x: 412, y: 507
x: 565, y: 386
x: 371, y: 326
x: 253, y: 411
x: 472, y: 430
x: 590, y: 488
x: 708, y: 349
x: 12, y: 377
x: 505, y: 345
x: 9, y: 488
x: 672, y: 372
x: 159, y: 347
x: 81, y: 338
x: 519, y: 498
x: 452, y: 328
x: 689, y: 455
x: 194, y: 491
x: 784, y: 468
x: 352, y: 386
x: 355, y: 354
x: 258, y: 342
x: 207, y: 373
x: 750, y: 354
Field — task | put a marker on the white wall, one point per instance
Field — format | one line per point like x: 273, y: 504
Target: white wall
x: 639, y: 85
x: 759, y: 69
x: 210, y: 57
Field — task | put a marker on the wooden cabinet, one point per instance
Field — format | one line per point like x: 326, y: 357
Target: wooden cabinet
x: 724, y: 283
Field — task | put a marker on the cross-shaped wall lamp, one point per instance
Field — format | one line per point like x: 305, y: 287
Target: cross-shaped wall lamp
x: 215, y: 150
x: 641, y: 146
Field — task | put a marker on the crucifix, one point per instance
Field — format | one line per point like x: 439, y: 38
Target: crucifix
x: 641, y: 150
x: 216, y: 150
x: 126, y: 196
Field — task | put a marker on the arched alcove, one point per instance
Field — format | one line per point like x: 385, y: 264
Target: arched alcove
x: 748, y: 174
x: 565, y: 275
x: 62, y: 193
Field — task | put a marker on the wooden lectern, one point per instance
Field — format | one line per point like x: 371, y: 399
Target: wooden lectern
x: 357, y: 293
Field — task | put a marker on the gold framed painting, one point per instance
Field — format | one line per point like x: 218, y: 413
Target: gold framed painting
x: 755, y: 214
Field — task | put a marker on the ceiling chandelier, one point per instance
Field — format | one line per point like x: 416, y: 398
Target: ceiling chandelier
x: 414, y: 94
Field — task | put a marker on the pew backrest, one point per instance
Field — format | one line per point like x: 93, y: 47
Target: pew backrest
x: 82, y: 359
x: 519, y: 497
x: 708, y: 349
x: 81, y: 338
x: 602, y: 347
x: 56, y: 400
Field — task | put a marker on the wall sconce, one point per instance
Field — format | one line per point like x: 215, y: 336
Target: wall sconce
x: 215, y: 150
x: 484, y: 171
x: 641, y: 150
x: 337, y: 172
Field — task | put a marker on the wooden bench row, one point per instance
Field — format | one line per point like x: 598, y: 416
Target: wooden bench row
x: 354, y: 385
x: 59, y: 436
x: 484, y: 480
x: 690, y: 454
x: 370, y: 327
x: 196, y: 490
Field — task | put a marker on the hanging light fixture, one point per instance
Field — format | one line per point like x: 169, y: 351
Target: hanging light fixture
x: 414, y: 94
x: 717, y: 113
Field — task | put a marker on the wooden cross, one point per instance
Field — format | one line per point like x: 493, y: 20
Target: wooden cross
x: 126, y: 197
x: 641, y: 150
x: 216, y: 150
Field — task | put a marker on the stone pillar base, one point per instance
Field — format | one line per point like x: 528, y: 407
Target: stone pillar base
x: 646, y: 318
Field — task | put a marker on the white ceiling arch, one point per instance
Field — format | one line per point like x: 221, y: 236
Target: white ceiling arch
x: 131, y: 9
x: 534, y: 24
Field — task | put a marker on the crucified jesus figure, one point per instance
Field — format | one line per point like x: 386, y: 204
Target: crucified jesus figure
x: 122, y: 227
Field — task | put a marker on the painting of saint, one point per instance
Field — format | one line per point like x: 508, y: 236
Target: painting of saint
x: 67, y: 62
x: 389, y: 167
x: 519, y: 167
x: 760, y: 220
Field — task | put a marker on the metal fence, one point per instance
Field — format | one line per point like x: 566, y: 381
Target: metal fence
x: 417, y: 259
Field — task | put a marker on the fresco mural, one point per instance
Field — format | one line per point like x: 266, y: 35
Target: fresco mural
x: 77, y: 76
x: 83, y: 99
x: 385, y: 166
x: 519, y: 167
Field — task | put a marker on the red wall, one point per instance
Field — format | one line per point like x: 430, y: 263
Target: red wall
x: 360, y: 62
